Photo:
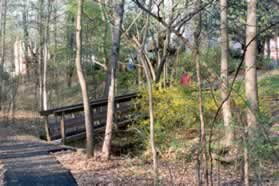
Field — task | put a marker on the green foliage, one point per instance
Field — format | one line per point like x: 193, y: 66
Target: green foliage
x: 171, y: 108
x: 176, y: 113
x: 210, y: 59
x: 210, y: 62
x: 269, y: 85
x: 260, y: 146
x: 127, y: 81
x: 174, y: 108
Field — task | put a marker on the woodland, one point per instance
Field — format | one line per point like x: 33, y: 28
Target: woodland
x: 200, y: 79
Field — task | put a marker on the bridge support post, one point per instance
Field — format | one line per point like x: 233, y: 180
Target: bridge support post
x: 62, y: 128
x: 47, y: 129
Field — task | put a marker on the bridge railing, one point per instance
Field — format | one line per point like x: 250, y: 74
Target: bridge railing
x: 68, y: 122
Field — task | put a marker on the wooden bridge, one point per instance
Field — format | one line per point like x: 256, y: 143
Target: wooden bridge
x: 68, y: 122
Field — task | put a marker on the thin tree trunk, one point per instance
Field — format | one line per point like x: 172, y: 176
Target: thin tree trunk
x: 3, y: 31
x: 41, y: 53
x: 82, y: 81
x: 196, y: 60
x: 70, y: 45
x: 46, y: 38
x: 250, y: 62
x: 251, y: 90
x: 105, y: 40
x: 246, y: 157
x: 276, y: 48
x: 116, y: 34
x: 3, y: 46
x: 139, y: 75
x: 45, y: 77
x: 268, y: 48
x: 151, y: 118
x: 203, y: 152
x: 227, y: 115
x: 150, y: 98
x: 163, y: 60
x: 56, y: 72
x: 27, y: 48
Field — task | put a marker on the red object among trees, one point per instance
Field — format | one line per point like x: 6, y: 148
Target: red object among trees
x: 185, y: 79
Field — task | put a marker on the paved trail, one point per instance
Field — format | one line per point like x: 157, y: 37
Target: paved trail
x: 28, y: 163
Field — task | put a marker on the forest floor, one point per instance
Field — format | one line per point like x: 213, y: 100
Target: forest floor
x: 136, y: 171
x: 126, y: 169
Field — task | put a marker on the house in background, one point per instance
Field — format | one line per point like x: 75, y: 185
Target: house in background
x: 19, y: 58
x: 271, y: 49
x: 24, y: 57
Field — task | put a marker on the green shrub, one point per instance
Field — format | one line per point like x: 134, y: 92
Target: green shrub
x: 174, y: 108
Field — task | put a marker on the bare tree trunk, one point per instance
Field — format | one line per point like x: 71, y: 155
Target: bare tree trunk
x: 251, y: 90
x: 151, y: 118
x: 276, y: 48
x: 246, y: 157
x: 150, y: 97
x: 45, y: 77
x: 3, y: 46
x: 162, y: 67
x: 250, y: 62
x: 3, y: 30
x: 41, y: 53
x: 105, y: 52
x: 196, y: 60
x: 82, y: 81
x: 203, y: 152
x: 116, y: 34
x: 227, y: 115
x: 70, y: 43
x: 46, y: 39
x: 56, y: 72
x: 139, y: 75
x: 26, y: 37
x: 268, y: 48
x: 16, y: 56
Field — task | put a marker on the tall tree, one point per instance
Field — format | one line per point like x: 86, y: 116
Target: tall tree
x: 25, y: 27
x: 105, y: 39
x: 150, y: 96
x: 251, y: 89
x: 41, y: 52
x: 46, y: 52
x: 196, y: 60
x: 3, y: 30
x: 227, y: 115
x: 3, y: 45
x: 70, y: 45
x: 116, y: 34
x: 83, y: 85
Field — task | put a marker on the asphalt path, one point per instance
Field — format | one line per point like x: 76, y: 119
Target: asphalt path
x: 30, y: 163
